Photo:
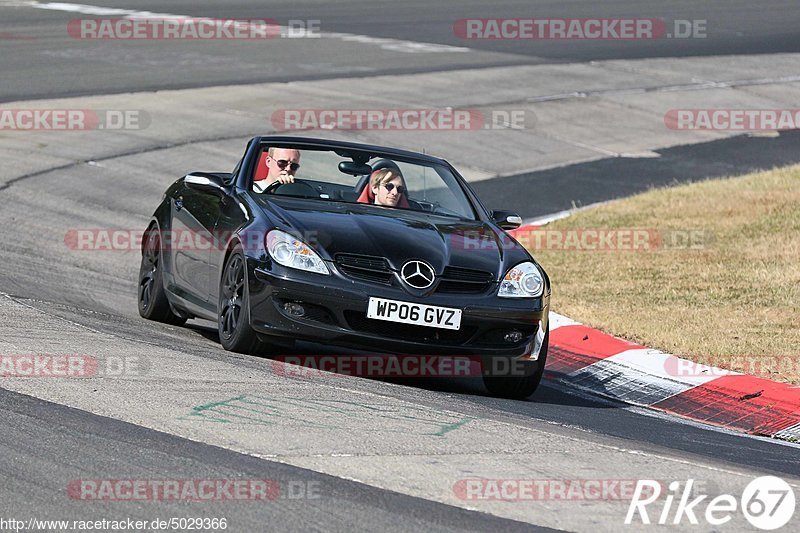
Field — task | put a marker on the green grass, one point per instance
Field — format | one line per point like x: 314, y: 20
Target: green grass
x: 735, y: 298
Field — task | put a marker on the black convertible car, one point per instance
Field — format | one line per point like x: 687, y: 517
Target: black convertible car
x: 355, y: 245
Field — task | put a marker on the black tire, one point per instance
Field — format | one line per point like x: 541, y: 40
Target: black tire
x: 519, y: 387
x: 152, y: 300
x: 233, y: 311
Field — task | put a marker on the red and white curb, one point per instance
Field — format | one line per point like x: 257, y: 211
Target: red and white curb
x: 593, y: 361
x: 590, y: 360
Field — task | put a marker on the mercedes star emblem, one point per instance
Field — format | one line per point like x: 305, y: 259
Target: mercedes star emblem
x: 418, y: 274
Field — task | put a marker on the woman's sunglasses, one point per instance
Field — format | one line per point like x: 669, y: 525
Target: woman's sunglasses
x: 390, y: 187
x: 283, y: 162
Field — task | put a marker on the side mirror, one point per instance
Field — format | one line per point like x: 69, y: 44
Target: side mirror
x: 205, y: 182
x: 507, y: 219
x: 354, y: 169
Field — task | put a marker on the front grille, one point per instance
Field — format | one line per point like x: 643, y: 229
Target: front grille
x: 376, y: 270
x: 362, y: 261
x: 464, y: 281
x: 394, y: 330
x: 364, y: 268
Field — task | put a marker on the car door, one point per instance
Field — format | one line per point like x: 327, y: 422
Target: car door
x: 194, y: 215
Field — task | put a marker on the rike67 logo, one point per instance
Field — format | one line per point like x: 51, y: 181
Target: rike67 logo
x: 767, y: 503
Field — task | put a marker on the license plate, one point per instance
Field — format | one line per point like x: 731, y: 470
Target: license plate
x: 410, y: 313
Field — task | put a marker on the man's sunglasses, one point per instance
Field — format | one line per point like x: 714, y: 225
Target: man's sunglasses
x: 390, y: 187
x: 283, y: 162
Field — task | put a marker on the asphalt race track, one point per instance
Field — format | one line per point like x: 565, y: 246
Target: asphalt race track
x: 347, y: 453
x: 56, y: 65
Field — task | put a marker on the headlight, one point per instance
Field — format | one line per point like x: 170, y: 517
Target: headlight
x: 294, y: 253
x: 522, y: 281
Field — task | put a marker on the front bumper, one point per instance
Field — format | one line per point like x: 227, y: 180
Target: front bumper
x: 335, y: 313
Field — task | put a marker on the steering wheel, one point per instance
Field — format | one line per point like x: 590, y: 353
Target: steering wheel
x: 274, y: 186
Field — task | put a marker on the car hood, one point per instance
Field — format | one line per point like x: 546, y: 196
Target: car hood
x: 398, y: 235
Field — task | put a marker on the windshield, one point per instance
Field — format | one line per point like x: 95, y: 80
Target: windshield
x: 388, y: 183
